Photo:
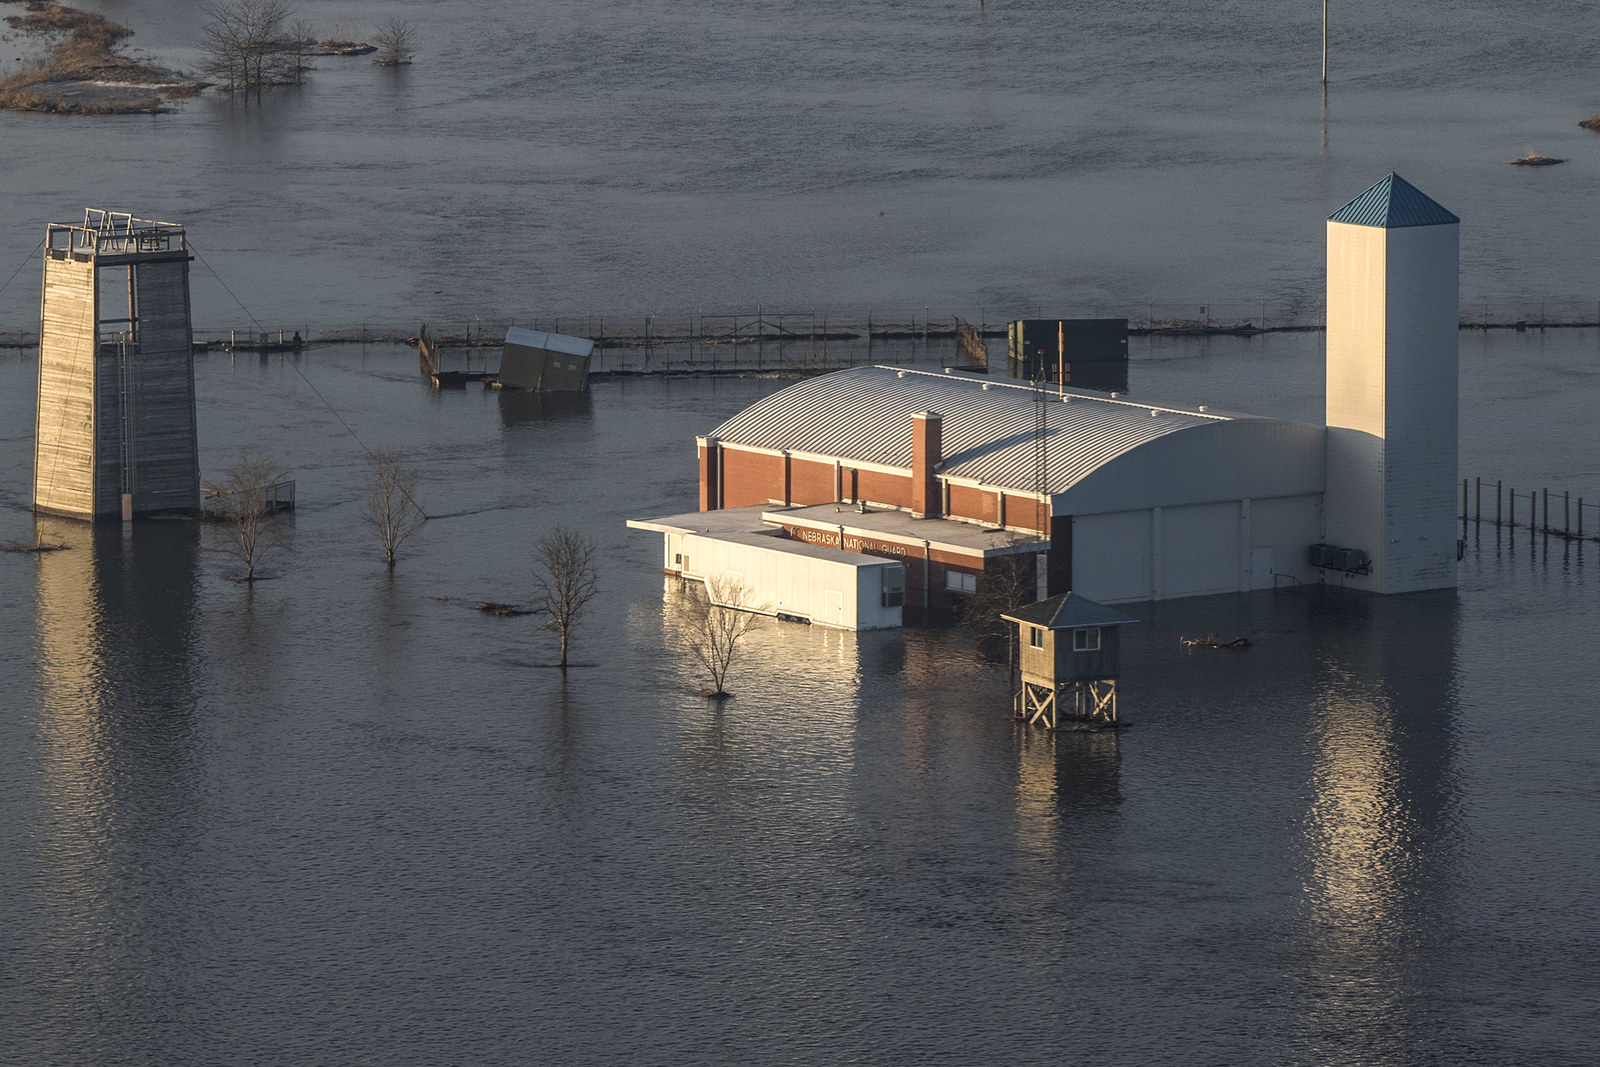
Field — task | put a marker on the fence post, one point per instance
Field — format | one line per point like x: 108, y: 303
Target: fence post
x: 1497, y: 504
x: 1547, y: 509
x: 1566, y: 512
x: 1477, y: 501
x: 1463, y: 507
x: 1580, y: 518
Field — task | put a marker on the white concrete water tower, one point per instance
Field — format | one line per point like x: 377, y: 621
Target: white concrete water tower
x: 1392, y: 407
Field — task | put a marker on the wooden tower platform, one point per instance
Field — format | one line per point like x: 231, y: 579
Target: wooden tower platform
x: 114, y: 433
x: 1070, y: 660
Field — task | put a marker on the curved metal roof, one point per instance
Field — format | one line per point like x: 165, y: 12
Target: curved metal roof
x: 864, y: 414
x: 1392, y: 204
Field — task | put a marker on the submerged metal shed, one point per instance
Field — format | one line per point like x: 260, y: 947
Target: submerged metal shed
x: 548, y: 362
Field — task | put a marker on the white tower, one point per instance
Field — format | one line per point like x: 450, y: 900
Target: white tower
x: 1393, y: 305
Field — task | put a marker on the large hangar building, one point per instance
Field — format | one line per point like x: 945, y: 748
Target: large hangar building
x: 1119, y: 499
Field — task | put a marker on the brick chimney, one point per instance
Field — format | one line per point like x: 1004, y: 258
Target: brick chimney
x: 710, y: 473
x: 927, y: 452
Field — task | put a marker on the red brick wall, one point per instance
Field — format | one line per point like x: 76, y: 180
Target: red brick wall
x: 810, y: 482
x: 750, y: 478
x: 1022, y: 512
x: 883, y: 488
x: 977, y: 505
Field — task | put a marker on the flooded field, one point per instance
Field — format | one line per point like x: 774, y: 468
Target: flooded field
x: 342, y: 816
x: 623, y: 160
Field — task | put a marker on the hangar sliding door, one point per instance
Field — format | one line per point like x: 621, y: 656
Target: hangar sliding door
x: 1199, y: 550
x: 1111, y: 556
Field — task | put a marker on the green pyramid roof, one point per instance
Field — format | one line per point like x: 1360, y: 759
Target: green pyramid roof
x: 1391, y: 204
x: 1067, y: 611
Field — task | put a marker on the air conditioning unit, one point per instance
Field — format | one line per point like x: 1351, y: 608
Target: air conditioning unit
x: 1350, y: 560
x: 1321, y: 555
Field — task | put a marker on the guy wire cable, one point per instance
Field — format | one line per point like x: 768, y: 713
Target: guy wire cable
x: 315, y: 391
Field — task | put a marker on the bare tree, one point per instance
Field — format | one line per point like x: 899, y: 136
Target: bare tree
x: 1008, y: 584
x: 395, y: 40
x: 246, y: 504
x: 715, y: 625
x: 392, y: 507
x: 565, y: 580
x: 244, y: 44
x: 301, y: 40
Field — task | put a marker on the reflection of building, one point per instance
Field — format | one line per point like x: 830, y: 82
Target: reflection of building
x: 1082, y: 353
x: 115, y: 429
x: 1126, y: 500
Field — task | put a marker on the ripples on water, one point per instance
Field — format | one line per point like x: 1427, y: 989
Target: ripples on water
x: 619, y: 159
x: 342, y: 817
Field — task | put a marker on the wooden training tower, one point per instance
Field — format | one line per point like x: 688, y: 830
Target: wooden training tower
x: 1070, y: 659
x: 114, y: 433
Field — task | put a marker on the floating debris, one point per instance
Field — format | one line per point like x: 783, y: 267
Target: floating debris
x: 1592, y: 122
x: 1532, y: 160
x: 1211, y: 642
x: 489, y: 607
x: 33, y: 548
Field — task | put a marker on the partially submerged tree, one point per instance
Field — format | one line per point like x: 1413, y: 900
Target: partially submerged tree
x: 301, y: 41
x: 246, y: 504
x: 565, y: 580
x: 392, y: 508
x: 395, y: 40
x: 245, y: 47
x: 715, y: 624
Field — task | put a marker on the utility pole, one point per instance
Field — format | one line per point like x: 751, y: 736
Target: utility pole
x: 1324, y: 45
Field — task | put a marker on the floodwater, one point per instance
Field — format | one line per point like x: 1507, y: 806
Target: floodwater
x: 653, y: 157
x: 344, y: 817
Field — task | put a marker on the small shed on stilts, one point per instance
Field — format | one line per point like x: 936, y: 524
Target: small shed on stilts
x: 1070, y: 653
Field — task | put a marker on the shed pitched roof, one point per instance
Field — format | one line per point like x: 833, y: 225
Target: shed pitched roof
x: 1068, y: 611
x: 550, y: 342
x: 988, y: 427
x: 1391, y: 204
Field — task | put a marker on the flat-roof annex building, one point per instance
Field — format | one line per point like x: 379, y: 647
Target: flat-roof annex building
x: 1118, y: 499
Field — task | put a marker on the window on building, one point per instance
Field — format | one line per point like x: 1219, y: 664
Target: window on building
x: 677, y: 560
x: 1086, y: 640
x: 960, y: 582
x: 1036, y: 636
x: 894, y: 587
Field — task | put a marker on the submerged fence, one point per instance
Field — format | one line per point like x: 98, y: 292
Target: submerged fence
x: 765, y: 323
x: 1536, y: 510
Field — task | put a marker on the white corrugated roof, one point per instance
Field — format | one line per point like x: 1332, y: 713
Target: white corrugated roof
x: 553, y: 342
x: 864, y: 415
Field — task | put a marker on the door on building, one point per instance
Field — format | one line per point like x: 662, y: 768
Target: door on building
x: 1261, y: 568
x: 833, y: 608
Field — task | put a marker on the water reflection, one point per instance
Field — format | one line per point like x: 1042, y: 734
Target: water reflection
x: 520, y: 407
x: 1380, y: 831
x: 115, y: 631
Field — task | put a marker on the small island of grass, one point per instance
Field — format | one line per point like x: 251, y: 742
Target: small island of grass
x: 250, y: 46
x: 86, y: 73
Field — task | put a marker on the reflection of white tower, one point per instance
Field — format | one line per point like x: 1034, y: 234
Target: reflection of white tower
x: 1393, y: 266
